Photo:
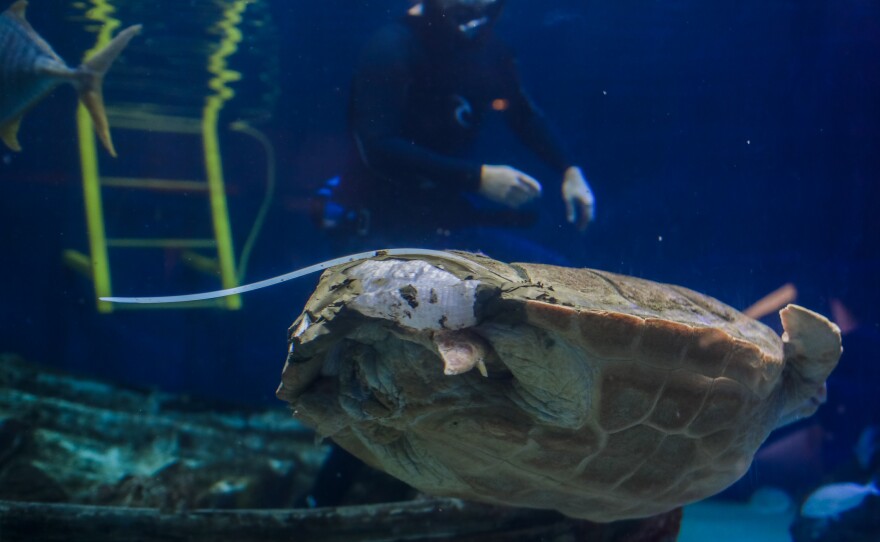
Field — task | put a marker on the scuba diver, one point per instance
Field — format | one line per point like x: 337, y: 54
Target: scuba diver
x: 424, y: 88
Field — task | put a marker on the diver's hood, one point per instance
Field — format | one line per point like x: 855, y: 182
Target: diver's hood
x: 466, y: 19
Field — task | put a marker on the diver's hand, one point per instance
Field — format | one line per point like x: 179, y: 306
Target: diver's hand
x: 508, y: 186
x: 580, y: 205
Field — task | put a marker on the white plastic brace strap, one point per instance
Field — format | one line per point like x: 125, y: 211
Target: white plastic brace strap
x: 292, y: 275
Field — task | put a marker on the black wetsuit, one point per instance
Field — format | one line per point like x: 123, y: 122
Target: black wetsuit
x: 418, y: 103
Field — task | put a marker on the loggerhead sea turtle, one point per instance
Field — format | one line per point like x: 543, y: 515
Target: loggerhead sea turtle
x: 599, y: 395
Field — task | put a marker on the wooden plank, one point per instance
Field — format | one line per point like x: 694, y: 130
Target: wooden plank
x: 434, y: 519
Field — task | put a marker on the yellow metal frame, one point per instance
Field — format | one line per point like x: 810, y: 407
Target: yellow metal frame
x: 99, y: 259
x: 218, y: 66
x: 89, y: 164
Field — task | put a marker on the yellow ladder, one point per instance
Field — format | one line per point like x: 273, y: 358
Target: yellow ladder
x: 96, y: 264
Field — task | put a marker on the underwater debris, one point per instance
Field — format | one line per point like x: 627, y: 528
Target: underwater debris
x: 80, y: 441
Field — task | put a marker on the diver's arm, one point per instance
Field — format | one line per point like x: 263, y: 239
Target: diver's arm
x: 379, y: 93
x: 531, y: 126
x: 527, y: 121
x: 399, y: 160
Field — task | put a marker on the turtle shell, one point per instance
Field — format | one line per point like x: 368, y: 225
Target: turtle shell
x: 599, y: 395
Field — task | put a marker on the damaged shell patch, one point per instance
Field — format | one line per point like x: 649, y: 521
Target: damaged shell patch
x: 414, y: 294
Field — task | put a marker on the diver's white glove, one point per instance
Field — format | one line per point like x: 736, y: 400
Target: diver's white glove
x: 508, y: 186
x: 580, y: 204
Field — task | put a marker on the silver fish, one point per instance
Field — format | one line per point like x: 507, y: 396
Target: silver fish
x: 30, y: 69
x: 832, y: 500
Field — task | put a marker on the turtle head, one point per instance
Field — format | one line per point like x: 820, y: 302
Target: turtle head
x: 811, y: 347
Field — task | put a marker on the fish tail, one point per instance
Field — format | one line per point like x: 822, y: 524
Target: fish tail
x: 90, y: 78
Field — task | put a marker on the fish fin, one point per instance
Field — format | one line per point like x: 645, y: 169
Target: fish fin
x: 93, y: 100
x: 100, y: 62
x: 9, y: 132
x: 91, y: 77
x: 18, y: 9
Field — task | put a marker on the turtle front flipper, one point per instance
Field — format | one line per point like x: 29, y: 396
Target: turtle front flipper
x: 461, y: 351
x: 812, y: 347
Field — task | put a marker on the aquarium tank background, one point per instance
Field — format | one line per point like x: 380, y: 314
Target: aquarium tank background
x: 732, y: 148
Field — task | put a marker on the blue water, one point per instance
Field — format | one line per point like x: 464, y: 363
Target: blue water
x: 732, y: 148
